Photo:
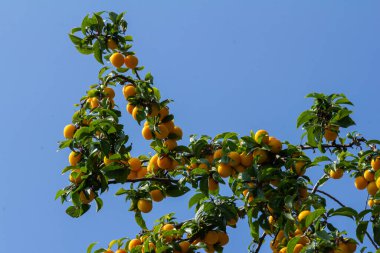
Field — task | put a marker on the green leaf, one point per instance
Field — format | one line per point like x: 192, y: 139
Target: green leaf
x: 345, y: 122
x: 315, y: 95
x: 323, y: 235
x: 76, y: 40
x: 377, y: 175
x: 128, y: 38
x: 89, y: 248
x: 196, y: 198
x: 376, y: 233
x: 254, y: 229
x: 102, y: 70
x: 77, y: 211
x: 84, y: 50
x: 111, y: 130
x: 291, y: 244
x: 75, y: 30
x: 59, y: 193
x: 121, y: 191
x: 321, y: 159
x: 311, y: 137
x: 139, y: 220
x: 361, y: 230
x: 99, y: 204
x: 98, y: 52
x: 120, y: 17
x: 203, y: 185
x: 101, y: 250
x: 182, y: 149
x: 113, y: 242
x: 345, y: 211
x: 304, y: 117
x: 314, y: 216
x: 85, y: 23
x: 113, y: 16
x: 363, y: 213
x: 105, y: 146
x: 99, y: 21
x: 123, y: 139
x: 198, y: 147
x: 157, y: 93
x: 65, y: 144
x: 343, y: 113
x: 373, y: 142
x: 289, y: 201
x: 343, y: 101
x: 174, y: 191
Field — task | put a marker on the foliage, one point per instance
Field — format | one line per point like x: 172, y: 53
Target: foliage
x: 269, y: 182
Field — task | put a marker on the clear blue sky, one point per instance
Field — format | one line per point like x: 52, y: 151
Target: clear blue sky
x: 229, y: 66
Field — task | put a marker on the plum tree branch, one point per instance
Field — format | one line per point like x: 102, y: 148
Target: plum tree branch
x: 261, y: 241
x: 155, y: 179
x: 354, y: 142
x: 137, y: 74
x: 331, y: 197
x: 125, y: 79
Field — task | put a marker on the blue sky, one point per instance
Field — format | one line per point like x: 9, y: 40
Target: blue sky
x: 229, y: 66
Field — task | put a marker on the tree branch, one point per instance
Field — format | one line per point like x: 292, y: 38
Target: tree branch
x: 153, y: 179
x: 261, y: 240
x: 125, y: 79
x: 137, y: 74
x: 331, y: 197
x: 354, y: 142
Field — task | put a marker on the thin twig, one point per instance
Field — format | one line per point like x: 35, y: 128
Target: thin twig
x: 125, y: 79
x: 261, y: 240
x: 137, y: 74
x: 372, y: 241
x: 331, y: 197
